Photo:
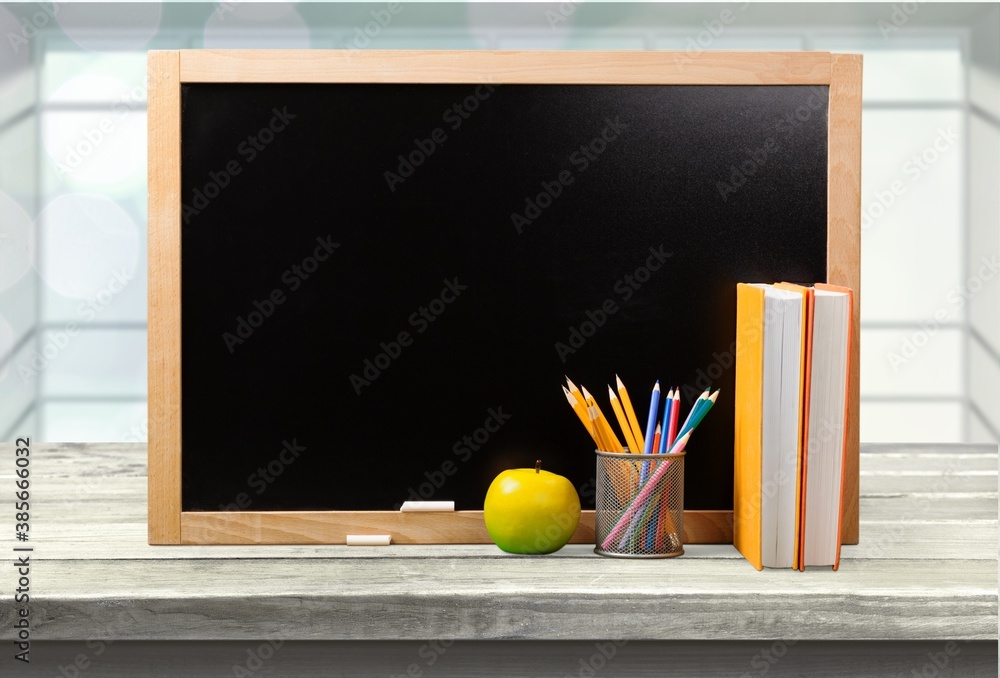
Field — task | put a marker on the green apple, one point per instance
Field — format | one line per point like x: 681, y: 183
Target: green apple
x: 528, y: 510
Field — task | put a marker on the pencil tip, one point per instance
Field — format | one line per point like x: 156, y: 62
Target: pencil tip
x: 611, y: 393
x: 586, y: 393
x: 618, y: 381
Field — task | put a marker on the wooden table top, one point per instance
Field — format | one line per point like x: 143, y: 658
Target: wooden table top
x: 926, y: 568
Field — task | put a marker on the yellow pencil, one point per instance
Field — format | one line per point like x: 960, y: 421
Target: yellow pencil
x: 630, y: 414
x: 616, y: 445
x: 614, y: 470
x: 602, y: 424
x: 602, y: 443
x: 622, y: 421
x: 598, y: 434
x: 574, y: 390
x: 583, y: 411
x: 580, y: 409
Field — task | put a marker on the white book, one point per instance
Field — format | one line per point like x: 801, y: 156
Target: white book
x: 822, y: 482
x: 784, y: 325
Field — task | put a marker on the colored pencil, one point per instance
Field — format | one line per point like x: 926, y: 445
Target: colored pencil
x: 661, y: 525
x: 583, y: 411
x: 580, y: 409
x: 675, y: 410
x: 694, y: 408
x: 698, y: 413
x: 650, y: 447
x: 661, y: 448
x: 614, y: 445
x: 654, y: 408
x: 649, y: 505
x: 602, y: 443
x: 575, y: 391
x: 646, y: 515
x: 643, y: 495
x: 655, y: 520
x: 670, y: 418
x: 616, y: 406
x: 630, y: 413
x: 635, y: 508
x: 644, y: 473
x: 653, y: 508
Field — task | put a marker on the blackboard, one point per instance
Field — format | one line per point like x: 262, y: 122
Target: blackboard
x: 546, y: 230
x: 369, y: 270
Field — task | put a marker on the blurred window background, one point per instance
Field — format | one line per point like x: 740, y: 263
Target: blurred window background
x: 73, y: 182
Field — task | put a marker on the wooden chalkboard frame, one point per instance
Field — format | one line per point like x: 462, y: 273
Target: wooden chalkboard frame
x: 168, y: 524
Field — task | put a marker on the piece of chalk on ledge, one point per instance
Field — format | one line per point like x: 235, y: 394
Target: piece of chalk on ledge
x: 368, y: 539
x: 427, y: 506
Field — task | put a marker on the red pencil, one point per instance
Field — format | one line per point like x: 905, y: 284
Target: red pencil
x: 656, y: 446
x: 675, y: 408
x: 674, y: 411
x: 660, y: 528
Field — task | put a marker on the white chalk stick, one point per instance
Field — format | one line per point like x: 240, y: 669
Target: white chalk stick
x: 368, y: 539
x: 428, y: 506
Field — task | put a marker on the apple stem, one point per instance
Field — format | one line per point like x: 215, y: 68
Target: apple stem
x: 538, y: 465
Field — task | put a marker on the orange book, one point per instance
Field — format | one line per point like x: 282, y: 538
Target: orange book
x: 825, y: 425
x: 749, y: 373
x: 770, y: 347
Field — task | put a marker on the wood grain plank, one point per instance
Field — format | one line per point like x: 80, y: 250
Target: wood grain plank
x: 844, y: 249
x: 513, y: 659
x: 929, y: 508
x: 499, y: 67
x: 92, y: 460
x: 934, y: 464
x: 899, y: 483
x: 511, y: 598
x: 931, y: 449
x: 103, y: 540
x: 164, y: 121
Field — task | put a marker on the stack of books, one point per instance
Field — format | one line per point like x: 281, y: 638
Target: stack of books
x: 792, y: 363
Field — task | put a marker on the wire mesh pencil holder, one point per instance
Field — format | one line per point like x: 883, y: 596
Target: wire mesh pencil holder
x: 640, y: 505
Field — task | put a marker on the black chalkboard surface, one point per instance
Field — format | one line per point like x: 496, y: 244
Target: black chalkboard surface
x: 384, y: 284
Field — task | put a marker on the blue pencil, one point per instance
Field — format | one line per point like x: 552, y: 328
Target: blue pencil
x: 698, y: 412
x: 694, y: 410
x: 666, y: 422
x: 655, y: 513
x: 654, y: 411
